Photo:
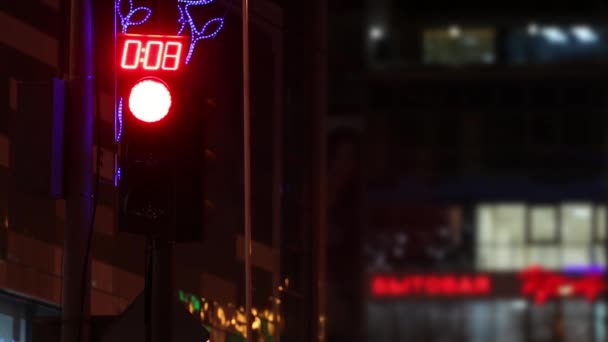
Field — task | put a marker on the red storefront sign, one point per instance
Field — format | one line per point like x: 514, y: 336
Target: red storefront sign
x: 430, y: 285
x: 535, y: 283
x: 541, y: 285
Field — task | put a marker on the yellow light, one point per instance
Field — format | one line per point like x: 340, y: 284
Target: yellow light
x: 191, y: 308
x: 281, y: 288
x: 254, y: 311
x: 257, y: 324
x: 221, y: 315
x: 286, y: 282
x: 240, y: 317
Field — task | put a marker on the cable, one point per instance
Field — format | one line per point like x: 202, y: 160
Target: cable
x: 95, y: 195
x: 95, y: 199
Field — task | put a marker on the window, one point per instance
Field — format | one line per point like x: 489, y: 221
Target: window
x: 600, y: 224
x: 17, y: 315
x: 577, y: 223
x: 543, y: 224
x: 456, y: 46
x: 552, y: 236
x: 544, y: 44
x: 502, y: 224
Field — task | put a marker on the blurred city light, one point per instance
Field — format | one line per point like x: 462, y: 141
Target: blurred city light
x: 554, y: 35
x: 376, y: 33
x: 585, y: 34
x: 454, y: 31
x: 533, y: 29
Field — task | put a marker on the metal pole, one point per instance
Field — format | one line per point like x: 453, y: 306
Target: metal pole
x: 79, y: 176
x: 162, y: 291
x: 247, y: 167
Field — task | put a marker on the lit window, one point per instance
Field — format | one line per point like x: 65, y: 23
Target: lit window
x: 600, y: 223
x: 485, y: 226
x: 456, y: 45
x: 543, y: 44
x: 543, y: 224
x: 599, y: 255
x: 547, y: 257
x: 576, y: 255
x: 509, y: 222
x: 508, y: 258
x: 576, y: 224
x: 501, y: 224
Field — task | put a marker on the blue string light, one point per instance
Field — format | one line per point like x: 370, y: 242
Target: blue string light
x: 125, y: 20
x: 117, y: 175
x: 195, y: 2
x: 196, y: 35
x: 119, y: 120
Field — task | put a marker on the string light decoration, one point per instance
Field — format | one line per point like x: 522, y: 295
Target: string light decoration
x: 119, y: 120
x: 117, y: 137
x: 126, y: 20
x: 196, y: 35
x: 230, y: 319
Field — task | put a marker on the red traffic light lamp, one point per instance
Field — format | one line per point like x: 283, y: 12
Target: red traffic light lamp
x: 149, y: 67
x: 150, y: 100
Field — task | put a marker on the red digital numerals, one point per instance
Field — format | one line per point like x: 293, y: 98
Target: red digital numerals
x: 150, y: 55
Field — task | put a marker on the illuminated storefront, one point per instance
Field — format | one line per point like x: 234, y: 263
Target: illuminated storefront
x: 17, y: 315
x: 488, y: 271
x: 533, y: 305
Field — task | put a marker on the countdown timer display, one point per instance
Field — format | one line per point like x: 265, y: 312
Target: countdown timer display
x: 150, y: 52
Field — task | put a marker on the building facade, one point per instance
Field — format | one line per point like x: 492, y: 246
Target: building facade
x: 209, y: 274
x: 483, y: 167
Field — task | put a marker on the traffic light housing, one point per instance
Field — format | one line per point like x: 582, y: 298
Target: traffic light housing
x: 159, y: 165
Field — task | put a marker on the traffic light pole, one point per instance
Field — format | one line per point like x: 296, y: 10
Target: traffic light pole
x: 79, y: 175
x: 162, y: 290
x: 247, y: 168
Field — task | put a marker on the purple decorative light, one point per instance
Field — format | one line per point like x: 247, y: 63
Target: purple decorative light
x: 119, y: 120
x: 584, y: 269
x: 125, y: 20
x: 117, y: 175
x: 195, y: 34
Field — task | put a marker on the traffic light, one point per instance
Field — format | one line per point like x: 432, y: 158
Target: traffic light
x: 159, y: 168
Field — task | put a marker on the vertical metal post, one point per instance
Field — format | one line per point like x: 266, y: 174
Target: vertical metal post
x: 319, y: 164
x: 162, y: 291
x: 247, y: 167
x: 79, y: 176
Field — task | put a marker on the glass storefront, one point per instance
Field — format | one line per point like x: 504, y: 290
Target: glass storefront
x: 499, y: 320
x: 17, y: 316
